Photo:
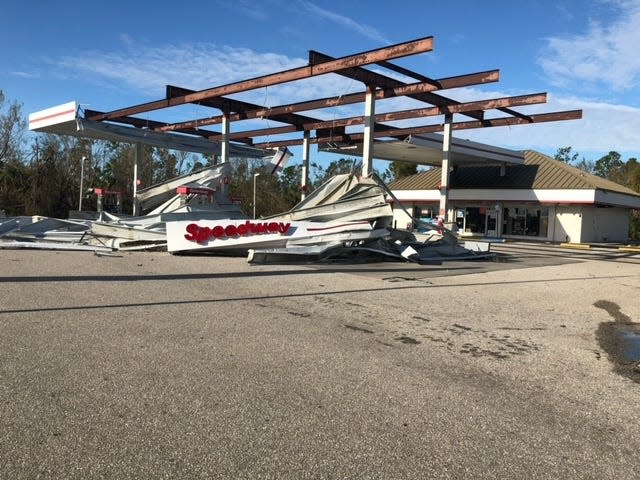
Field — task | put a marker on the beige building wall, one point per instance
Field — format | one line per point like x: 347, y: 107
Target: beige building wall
x: 568, y: 224
x: 605, y: 225
x: 400, y: 218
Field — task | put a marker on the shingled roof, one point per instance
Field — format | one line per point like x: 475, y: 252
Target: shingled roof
x: 538, y: 172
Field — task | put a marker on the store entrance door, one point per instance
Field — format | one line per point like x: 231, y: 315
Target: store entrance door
x: 491, y: 229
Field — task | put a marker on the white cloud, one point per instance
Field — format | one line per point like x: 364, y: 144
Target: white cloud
x: 126, y: 39
x: 364, y: 30
x: 196, y: 66
x: 24, y: 74
x: 603, y: 127
x: 249, y: 8
x: 605, y: 54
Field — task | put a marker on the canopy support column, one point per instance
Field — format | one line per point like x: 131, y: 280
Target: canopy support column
x: 138, y: 158
x: 369, y: 122
x: 305, y: 164
x: 224, y: 150
x: 444, y: 179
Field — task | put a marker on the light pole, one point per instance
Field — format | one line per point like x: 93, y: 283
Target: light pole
x: 255, y: 176
x: 81, y: 179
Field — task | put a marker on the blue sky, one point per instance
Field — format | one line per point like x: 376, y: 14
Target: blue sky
x: 118, y: 53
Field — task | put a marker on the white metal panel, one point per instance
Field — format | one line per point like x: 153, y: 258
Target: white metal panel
x: 64, y: 114
x: 64, y: 120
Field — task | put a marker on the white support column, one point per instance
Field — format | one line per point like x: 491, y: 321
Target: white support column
x: 224, y: 140
x: 138, y: 158
x: 81, y: 182
x: 369, y: 120
x: 224, y: 143
x: 305, y: 165
x: 445, y: 212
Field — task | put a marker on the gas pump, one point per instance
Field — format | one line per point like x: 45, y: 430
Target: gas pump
x: 108, y: 200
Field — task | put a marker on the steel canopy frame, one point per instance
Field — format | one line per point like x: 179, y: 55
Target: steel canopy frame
x: 333, y: 132
x: 395, y: 51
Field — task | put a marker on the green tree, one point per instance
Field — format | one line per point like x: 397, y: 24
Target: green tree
x: 336, y: 167
x: 54, y: 177
x: 165, y: 165
x: 635, y: 174
x: 609, y: 166
x: 120, y: 159
x: 564, y: 155
x: 397, y: 170
x: 585, y: 165
x: 270, y: 198
x: 630, y: 172
x: 290, y: 182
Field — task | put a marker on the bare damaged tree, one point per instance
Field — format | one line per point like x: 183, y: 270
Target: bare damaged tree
x: 13, y: 177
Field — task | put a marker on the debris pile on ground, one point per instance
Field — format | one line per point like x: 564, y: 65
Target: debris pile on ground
x: 348, y: 218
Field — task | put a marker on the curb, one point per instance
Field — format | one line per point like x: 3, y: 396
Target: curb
x: 581, y: 246
x: 629, y: 249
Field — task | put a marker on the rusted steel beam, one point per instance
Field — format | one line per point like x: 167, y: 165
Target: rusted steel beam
x: 386, y: 53
x: 394, y: 116
x: 379, y: 80
x: 136, y: 122
x: 529, y: 119
x: 260, y: 132
x: 236, y: 109
x: 495, y: 103
x: 283, y: 113
x: 405, y: 132
x: 407, y: 73
x: 151, y: 124
x: 273, y: 113
x: 493, y: 122
x: 490, y: 104
x: 422, y: 78
x: 288, y: 143
x: 514, y: 113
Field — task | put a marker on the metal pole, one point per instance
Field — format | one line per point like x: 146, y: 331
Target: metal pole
x: 446, y: 157
x: 369, y: 126
x: 255, y: 176
x: 305, y: 164
x: 138, y: 158
x: 81, y: 179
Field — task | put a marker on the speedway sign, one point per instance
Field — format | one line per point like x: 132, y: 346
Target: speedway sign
x: 246, y: 234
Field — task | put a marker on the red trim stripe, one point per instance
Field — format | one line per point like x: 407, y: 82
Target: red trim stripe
x: 53, y: 115
x: 315, y: 229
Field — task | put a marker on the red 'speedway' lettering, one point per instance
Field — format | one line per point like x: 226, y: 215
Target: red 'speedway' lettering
x: 198, y: 234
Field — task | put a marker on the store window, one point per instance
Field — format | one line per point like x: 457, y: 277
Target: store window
x: 526, y: 221
x: 476, y: 219
x: 425, y: 213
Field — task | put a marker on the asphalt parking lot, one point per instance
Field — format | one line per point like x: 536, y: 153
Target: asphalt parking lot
x: 148, y: 365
